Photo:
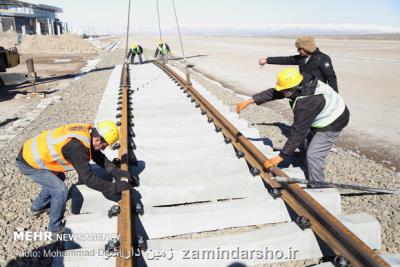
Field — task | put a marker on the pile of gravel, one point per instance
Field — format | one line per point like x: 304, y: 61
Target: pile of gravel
x: 343, y: 166
x: 79, y: 103
x: 8, y: 39
x: 53, y: 44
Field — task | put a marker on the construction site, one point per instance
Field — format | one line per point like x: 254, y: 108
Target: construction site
x: 164, y: 148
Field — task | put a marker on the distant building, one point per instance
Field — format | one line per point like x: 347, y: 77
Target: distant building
x: 27, y: 18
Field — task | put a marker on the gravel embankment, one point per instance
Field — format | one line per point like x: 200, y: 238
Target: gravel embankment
x: 343, y: 166
x: 80, y: 100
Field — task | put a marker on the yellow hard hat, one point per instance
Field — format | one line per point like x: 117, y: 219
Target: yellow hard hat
x: 109, y: 131
x: 288, y: 78
x: 134, y: 45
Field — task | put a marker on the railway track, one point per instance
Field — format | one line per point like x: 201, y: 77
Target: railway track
x: 203, y: 190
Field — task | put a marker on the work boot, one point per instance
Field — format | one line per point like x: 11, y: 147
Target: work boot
x: 36, y: 213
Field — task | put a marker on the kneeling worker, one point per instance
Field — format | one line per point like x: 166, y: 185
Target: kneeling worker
x: 318, y: 110
x: 46, y: 157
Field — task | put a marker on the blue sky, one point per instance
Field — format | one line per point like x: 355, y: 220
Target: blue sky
x: 110, y: 16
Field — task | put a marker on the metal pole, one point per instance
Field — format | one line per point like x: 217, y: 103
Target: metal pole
x: 337, y: 185
x: 31, y: 70
x: 159, y: 23
x: 183, y: 51
x: 133, y: 19
x: 127, y: 30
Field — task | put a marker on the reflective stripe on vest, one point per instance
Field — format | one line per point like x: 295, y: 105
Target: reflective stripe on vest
x: 163, y: 49
x: 45, y: 150
x: 334, y: 105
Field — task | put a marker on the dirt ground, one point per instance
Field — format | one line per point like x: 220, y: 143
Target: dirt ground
x: 367, y: 72
x: 69, y: 98
x: 53, y: 75
x: 342, y: 166
x: 55, y: 71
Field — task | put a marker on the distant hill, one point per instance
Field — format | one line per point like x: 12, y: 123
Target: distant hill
x: 280, y: 30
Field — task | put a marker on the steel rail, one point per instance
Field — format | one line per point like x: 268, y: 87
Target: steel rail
x: 125, y: 256
x: 329, y: 229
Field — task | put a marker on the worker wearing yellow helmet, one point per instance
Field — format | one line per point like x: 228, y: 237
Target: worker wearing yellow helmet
x: 135, y: 50
x: 46, y: 157
x: 320, y: 114
x: 162, y: 51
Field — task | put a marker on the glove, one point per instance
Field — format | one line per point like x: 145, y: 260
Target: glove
x: 117, y: 162
x: 273, y: 162
x: 122, y: 186
x: 118, y: 173
x: 242, y: 105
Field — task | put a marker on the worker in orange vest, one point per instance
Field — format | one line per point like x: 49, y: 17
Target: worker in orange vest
x: 46, y: 157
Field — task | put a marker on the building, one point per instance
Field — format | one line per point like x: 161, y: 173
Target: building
x: 27, y: 18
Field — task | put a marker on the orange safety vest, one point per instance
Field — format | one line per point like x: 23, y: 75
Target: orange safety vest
x: 44, y: 150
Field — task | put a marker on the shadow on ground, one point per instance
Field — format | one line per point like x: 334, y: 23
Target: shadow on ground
x: 8, y: 92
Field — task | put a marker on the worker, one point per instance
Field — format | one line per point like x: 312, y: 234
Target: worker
x: 46, y: 157
x: 162, y: 52
x: 320, y: 114
x: 135, y: 50
x: 312, y: 62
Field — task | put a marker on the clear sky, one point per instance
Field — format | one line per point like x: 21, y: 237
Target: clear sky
x: 111, y: 16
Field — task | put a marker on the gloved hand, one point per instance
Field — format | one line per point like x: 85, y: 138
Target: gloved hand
x: 123, y: 185
x: 273, y: 162
x: 117, y: 162
x: 118, y: 173
x: 242, y: 105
